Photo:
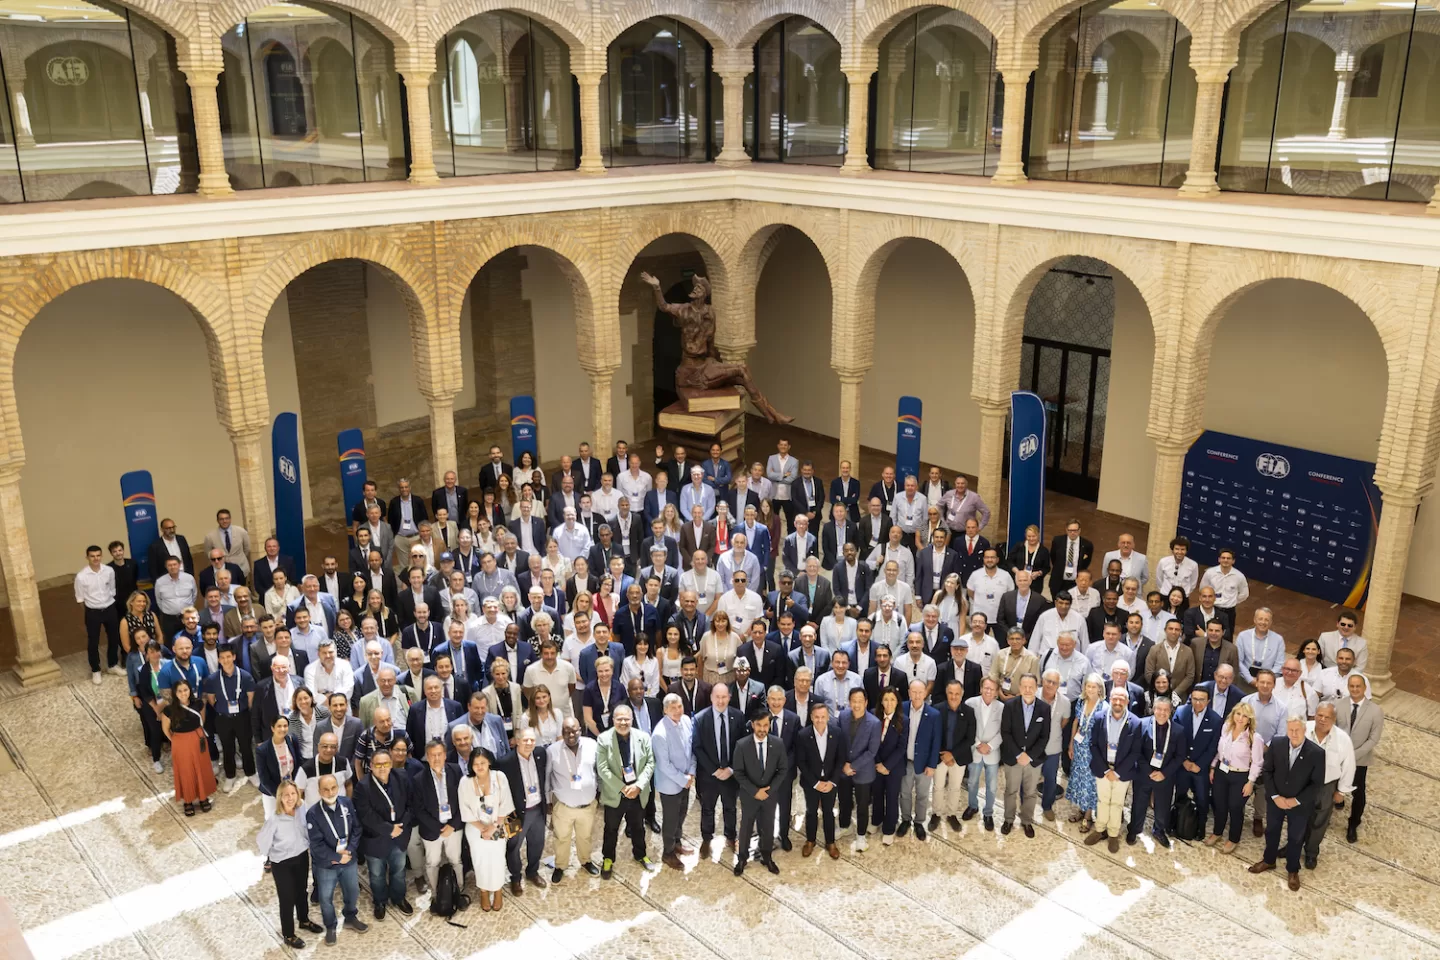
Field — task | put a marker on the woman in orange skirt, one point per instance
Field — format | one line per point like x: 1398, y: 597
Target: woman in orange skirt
x: 184, y: 724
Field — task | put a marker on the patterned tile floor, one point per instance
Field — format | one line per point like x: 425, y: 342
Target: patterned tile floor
x: 95, y: 861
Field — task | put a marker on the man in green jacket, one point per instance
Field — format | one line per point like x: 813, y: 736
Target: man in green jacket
x: 624, y: 764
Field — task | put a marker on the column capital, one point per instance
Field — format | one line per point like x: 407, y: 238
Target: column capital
x: 1173, y: 444
x: 860, y: 62
x: 1214, y: 72
x: 851, y: 375
x: 990, y: 407
x: 589, y: 77
x: 734, y: 63
x: 433, y: 396
x: 10, y: 471
x: 1020, y: 66
x: 1401, y: 494
x: 245, y: 431
x: 597, y: 369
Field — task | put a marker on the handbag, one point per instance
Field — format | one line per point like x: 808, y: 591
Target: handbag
x: 514, y: 823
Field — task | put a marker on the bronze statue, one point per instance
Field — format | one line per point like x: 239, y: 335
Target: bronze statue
x: 701, y: 367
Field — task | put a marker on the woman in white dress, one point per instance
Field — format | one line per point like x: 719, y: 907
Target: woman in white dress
x: 544, y: 717
x: 951, y: 601
x: 278, y: 598
x: 554, y: 562
x: 485, y: 802
x: 641, y: 664
x: 673, y: 654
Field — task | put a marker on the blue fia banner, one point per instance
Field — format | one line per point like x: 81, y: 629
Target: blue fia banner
x: 907, y: 439
x: 289, y: 502
x: 1027, y: 465
x: 1295, y: 518
x: 351, y: 444
x: 524, y: 429
x: 142, y: 523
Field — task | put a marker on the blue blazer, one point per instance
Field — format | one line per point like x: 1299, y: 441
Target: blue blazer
x: 586, y: 669
x: 653, y: 504
x: 927, y: 738
x: 759, y: 544
x: 267, y: 764
x: 822, y: 663
x: 1127, y: 751
x: 785, y: 647
x: 426, y: 804
x: 861, y: 750
x: 474, y: 669
x: 1232, y: 696
x: 1176, y: 745
x: 327, y: 603
x: 525, y: 655
x: 495, y: 727
x: 415, y: 725
x: 891, y: 750
x: 322, y: 841
x: 1200, y: 749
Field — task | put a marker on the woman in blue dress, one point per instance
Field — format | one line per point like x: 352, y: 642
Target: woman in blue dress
x: 1081, y: 790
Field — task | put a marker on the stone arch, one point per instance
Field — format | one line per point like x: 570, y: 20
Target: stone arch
x: 1032, y: 22
x: 767, y: 13
x: 881, y: 18
x: 395, y: 21
x: 696, y: 14
x: 556, y: 15
x: 761, y: 237
x: 206, y: 300
x: 176, y: 19
x: 713, y: 241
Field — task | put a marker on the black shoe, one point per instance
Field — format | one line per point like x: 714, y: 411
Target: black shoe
x: 1005, y: 828
x: 1131, y: 839
x: 1029, y: 830
x: 1351, y: 836
x: 329, y: 938
x: 295, y: 943
x: 607, y: 871
x: 934, y: 823
x: 903, y: 829
x: 919, y: 831
x: 953, y: 822
x: 310, y: 926
x: 739, y: 868
x: 969, y: 813
x: 590, y: 868
x: 1162, y: 841
x: 315, y: 900
x: 557, y: 876
x: 379, y: 911
x: 786, y: 845
x: 844, y: 824
x: 1310, y: 862
x: 357, y: 925
x: 771, y: 866
x: 653, y: 824
x: 404, y: 907
x: 990, y: 824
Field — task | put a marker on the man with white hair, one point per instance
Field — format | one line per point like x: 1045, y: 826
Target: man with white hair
x: 738, y: 557
x: 674, y: 776
x: 1069, y: 664
x: 387, y: 694
x: 697, y: 493
x: 891, y: 585
x: 701, y: 580
x: 1293, y: 778
x: 740, y: 604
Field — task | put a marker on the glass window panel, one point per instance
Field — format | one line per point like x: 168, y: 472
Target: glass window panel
x: 70, y: 76
x: 750, y: 114
x: 694, y: 120
x: 954, y: 83
x: 552, y: 101
x: 480, y: 89
x: 1417, y: 147
x: 894, y: 97
x: 440, y: 95
x: 814, y: 95
x: 658, y: 72
x: 997, y: 123
x: 239, y: 127
x: 382, y: 124
x: 1339, y: 104
x: 1123, y: 71
x: 769, y: 108
x: 717, y: 111
x: 1180, y: 113
x: 11, y: 190
x: 1250, y: 103
x: 1053, y: 106
x: 165, y: 113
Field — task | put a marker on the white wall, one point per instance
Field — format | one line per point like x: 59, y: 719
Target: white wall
x: 1127, y: 470
x: 397, y: 395
x: 1422, y: 576
x: 791, y: 359
x: 925, y: 332
x: 284, y: 393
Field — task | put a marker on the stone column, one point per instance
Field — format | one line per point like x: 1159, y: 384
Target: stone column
x: 733, y: 154
x: 443, y: 455
x: 992, y: 457
x: 850, y: 381
x: 1344, y: 72
x: 1166, y: 491
x: 205, y: 107
x: 590, y: 159
x: 1157, y: 84
x: 1387, y: 580
x: 1205, y: 135
x: 600, y: 414
x: 250, y: 472
x: 1101, y: 69
x: 1012, y: 134
x: 20, y: 111
x: 422, y: 137
x: 858, y: 116
x: 33, y: 663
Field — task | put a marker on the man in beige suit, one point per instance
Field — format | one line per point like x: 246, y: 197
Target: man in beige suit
x: 1174, y: 655
x: 230, y: 538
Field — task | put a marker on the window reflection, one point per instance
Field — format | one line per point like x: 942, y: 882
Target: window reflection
x: 502, y: 99
x: 801, y: 95
x: 654, y: 96
x: 93, y: 104
x: 309, y: 94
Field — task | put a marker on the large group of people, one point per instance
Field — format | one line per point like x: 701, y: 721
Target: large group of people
x: 614, y: 641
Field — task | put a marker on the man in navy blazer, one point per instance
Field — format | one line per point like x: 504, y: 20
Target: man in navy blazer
x: 1202, y: 727
x: 262, y: 573
x: 537, y: 529
x: 464, y: 655
x: 1222, y: 701
x: 1024, y: 734
x: 437, y: 815
x: 785, y: 725
x: 821, y: 773
x: 922, y: 756
x: 1164, y: 744
x: 426, y: 636
x: 800, y: 657
x: 524, y: 651
x: 333, y: 827
x: 926, y: 582
x: 856, y: 594
x: 434, y: 699
x: 382, y: 801
x: 768, y: 663
x: 1115, y: 746
x: 845, y: 490
x: 786, y: 634
x: 718, y: 728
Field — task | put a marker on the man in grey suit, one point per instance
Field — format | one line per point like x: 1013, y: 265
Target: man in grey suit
x: 1360, y: 717
x: 760, y: 766
x: 783, y: 470
x: 341, y: 722
x: 819, y: 597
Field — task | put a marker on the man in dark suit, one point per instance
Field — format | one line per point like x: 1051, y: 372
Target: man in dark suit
x: 809, y: 495
x: 696, y: 534
x: 586, y: 470
x: 418, y: 723
x: 416, y: 593
x: 766, y: 657
x: 885, y: 490
x: 785, y: 726
x: 1294, y: 773
x: 874, y: 527
x: 761, y: 773
x: 1069, y: 554
x: 845, y: 490
x: 436, y: 810
x: 1202, y: 727
x: 737, y: 498
x: 619, y: 460
x: 957, y: 741
x: 1024, y: 595
x: 524, y: 769
x: 883, y: 676
x: 657, y: 538
x: 677, y: 468
x: 469, y: 666
x: 933, y: 564
x: 693, y: 692
x: 340, y: 721
x: 1224, y: 692
x: 263, y: 576
x: 359, y: 556
x: 565, y: 497
x: 491, y: 472
x: 820, y: 758
x: 850, y: 580
x: 718, y: 728
x: 1030, y: 554
x: 971, y: 549
x: 206, y: 579
x: 1024, y: 734
x: 517, y: 653
x: 604, y: 549
x: 1115, y: 745
x: 627, y: 528
x: 959, y: 669
x: 538, y: 533
x: 424, y: 632
x: 395, y: 512
x: 169, y: 544
x: 450, y: 496
x: 382, y: 802
x: 1163, y: 746
x: 839, y: 530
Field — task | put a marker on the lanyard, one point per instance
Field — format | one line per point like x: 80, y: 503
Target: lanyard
x: 236, y: 698
x: 573, y: 763
x: 386, y: 794
x: 192, y: 673
x: 1166, y: 745
x: 344, y: 820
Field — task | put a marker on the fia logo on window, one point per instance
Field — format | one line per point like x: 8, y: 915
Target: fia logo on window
x: 287, y: 469
x: 67, y: 71
x: 1029, y: 446
x: 1272, y: 465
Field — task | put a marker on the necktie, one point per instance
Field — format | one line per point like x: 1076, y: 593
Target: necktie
x: 1354, y: 709
x: 1070, y: 554
x: 226, y: 531
x: 721, y: 735
x: 761, y: 745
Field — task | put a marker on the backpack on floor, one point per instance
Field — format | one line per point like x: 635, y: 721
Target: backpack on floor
x: 446, y: 899
x: 1185, y: 825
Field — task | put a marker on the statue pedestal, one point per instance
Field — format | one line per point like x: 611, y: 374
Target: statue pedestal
x: 714, y: 416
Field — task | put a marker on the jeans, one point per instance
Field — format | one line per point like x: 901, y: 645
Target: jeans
x: 1050, y: 785
x: 387, y: 876
x: 988, y: 771
x: 348, y: 877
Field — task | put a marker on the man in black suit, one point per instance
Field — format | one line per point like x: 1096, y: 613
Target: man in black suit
x: 359, y: 557
x: 883, y: 676
x: 420, y: 726
x: 971, y: 549
x: 1024, y: 734
x: 491, y: 472
x: 1294, y: 773
x: 677, y: 468
x: 809, y: 494
x: 170, y: 544
x: 850, y: 581
x: 524, y: 769
x: 266, y: 706
x: 416, y: 593
x: 820, y: 758
x: 693, y: 692
x: 885, y: 490
x: 657, y: 538
x: 785, y: 726
x: 586, y: 470
x: 1069, y: 554
x: 933, y: 564
x: 538, y: 533
x: 958, y: 668
x: 874, y: 527
x: 845, y: 490
x: 1030, y: 554
x: 766, y: 657
x: 437, y: 811
x: 627, y: 529
x: 1024, y: 595
x: 263, y: 576
x: 839, y: 530
x: 406, y: 528
x: 206, y: 579
x: 619, y: 460
x: 718, y: 728
x: 455, y: 688
x: 957, y: 740
x: 451, y: 496
x: 423, y: 632
x: 761, y: 773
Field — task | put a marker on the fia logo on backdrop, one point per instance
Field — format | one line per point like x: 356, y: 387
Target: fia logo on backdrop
x: 1272, y: 465
x: 287, y: 469
x: 1029, y: 446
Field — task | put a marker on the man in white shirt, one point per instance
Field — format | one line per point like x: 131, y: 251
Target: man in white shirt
x: 95, y: 591
x: 738, y: 560
x: 1230, y: 586
x: 741, y: 604
x: 328, y: 674
x: 1295, y: 692
x: 1132, y: 562
x: 306, y: 635
x: 983, y: 647
x: 1130, y: 600
x: 634, y: 483
x: 890, y: 585
x: 1339, y: 776
x: 1083, y: 596
x: 889, y: 628
x: 1177, y: 570
x: 174, y: 591
x: 606, y: 500
x: 573, y: 789
x: 1061, y: 618
x: 1068, y: 663
x: 1154, y: 617
x: 701, y: 580
x: 572, y: 539
x: 1334, y: 682
x: 1104, y: 654
x: 894, y: 549
x: 909, y: 512
x: 1344, y: 637
x: 916, y: 664
x: 987, y: 585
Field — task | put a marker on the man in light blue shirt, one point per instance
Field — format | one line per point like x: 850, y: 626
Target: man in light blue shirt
x: 834, y: 687
x: 674, y: 775
x: 696, y: 493
x: 1259, y: 648
x: 717, y: 470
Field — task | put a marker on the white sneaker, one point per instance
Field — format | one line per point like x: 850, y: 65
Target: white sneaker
x: 158, y: 767
x: 861, y: 844
x: 255, y: 780
x: 233, y: 785
x: 118, y: 670
x: 888, y: 839
x: 95, y: 678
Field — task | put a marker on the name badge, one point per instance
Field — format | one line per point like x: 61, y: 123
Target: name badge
x: 232, y: 707
x: 990, y: 595
x: 489, y: 811
x: 629, y: 773
x: 340, y: 846
x: 509, y: 724
x: 1109, y: 754
x: 722, y: 665
x: 1005, y: 685
x: 445, y: 810
x: 1157, y: 760
x: 1224, y: 767
x: 1256, y: 666
x: 533, y: 789
x: 575, y: 779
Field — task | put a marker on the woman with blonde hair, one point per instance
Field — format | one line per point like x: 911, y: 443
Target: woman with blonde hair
x: 1081, y: 791
x: 284, y: 842
x: 1234, y: 773
x: 718, y: 648
x: 138, y: 616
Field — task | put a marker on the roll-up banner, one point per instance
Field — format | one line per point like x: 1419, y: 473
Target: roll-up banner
x: 524, y: 429
x: 142, y: 524
x: 1027, y: 465
x: 907, y: 439
x: 352, y: 468
x: 289, y: 502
